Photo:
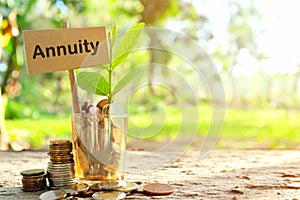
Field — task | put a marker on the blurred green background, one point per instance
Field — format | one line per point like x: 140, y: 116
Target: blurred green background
x: 252, y: 45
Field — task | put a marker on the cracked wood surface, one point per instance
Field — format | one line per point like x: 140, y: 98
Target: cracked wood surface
x: 223, y: 174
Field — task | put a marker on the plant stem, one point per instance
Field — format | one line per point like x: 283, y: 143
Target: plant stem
x: 110, y: 69
x: 109, y: 84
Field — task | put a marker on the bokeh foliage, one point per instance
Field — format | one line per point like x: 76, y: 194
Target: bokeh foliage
x: 48, y: 95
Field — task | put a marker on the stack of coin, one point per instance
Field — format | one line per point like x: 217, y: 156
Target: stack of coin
x: 61, y: 168
x: 33, y: 180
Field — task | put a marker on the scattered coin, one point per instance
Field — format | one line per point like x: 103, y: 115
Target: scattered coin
x: 88, y: 193
x: 158, y: 189
x: 105, y: 195
x: 70, y: 192
x: 129, y: 187
x: 96, y: 187
x: 112, y: 184
x: 80, y: 187
x: 53, y: 195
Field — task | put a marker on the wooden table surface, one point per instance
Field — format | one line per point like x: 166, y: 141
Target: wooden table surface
x: 223, y: 174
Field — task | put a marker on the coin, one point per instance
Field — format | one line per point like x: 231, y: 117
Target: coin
x: 96, y: 187
x: 32, y: 172
x: 55, y: 152
x: 88, y: 193
x: 60, y: 142
x: 70, y: 192
x: 60, y: 147
x: 61, y: 168
x: 60, y: 183
x: 33, y: 185
x: 109, y: 195
x: 129, y: 187
x: 35, y: 177
x: 80, y: 187
x: 53, y: 195
x: 61, y: 161
x: 33, y: 180
x: 102, y: 103
x: 158, y: 189
x: 112, y: 184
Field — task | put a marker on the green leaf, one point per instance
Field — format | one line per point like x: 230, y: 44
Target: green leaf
x: 127, y: 44
x: 114, y: 34
x: 92, y: 82
x: 102, y: 67
x: 126, y: 79
x: 10, y: 47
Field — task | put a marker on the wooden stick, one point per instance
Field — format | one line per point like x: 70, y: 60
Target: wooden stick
x: 76, y: 108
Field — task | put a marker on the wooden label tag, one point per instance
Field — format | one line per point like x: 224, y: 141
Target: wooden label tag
x: 63, y: 49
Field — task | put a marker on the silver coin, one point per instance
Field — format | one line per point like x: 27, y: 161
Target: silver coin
x: 62, y: 174
x: 53, y: 195
x: 60, y: 165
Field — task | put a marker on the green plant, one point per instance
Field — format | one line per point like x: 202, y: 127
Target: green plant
x: 96, y: 83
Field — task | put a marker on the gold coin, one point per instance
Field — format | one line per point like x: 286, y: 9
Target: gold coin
x: 96, y: 187
x: 37, y: 177
x: 80, y: 187
x: 32, y: 172
x: 60, y: 148
x: 109, y: 195
x: 70, y: 192
x: 28, y: 185
x: 129, y: 187
x: 60, y: 151
x: 60, y: 142
x: 53, y: 195
x: 33, y: 182
x: 62, y: 161
x: 88, y: 193
x: 158, y: 189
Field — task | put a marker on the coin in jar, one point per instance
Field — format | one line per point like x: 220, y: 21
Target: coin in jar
x: 102, y: 103
x: 53, y: 195
x: 158, y: 189
x: 109, y: 195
